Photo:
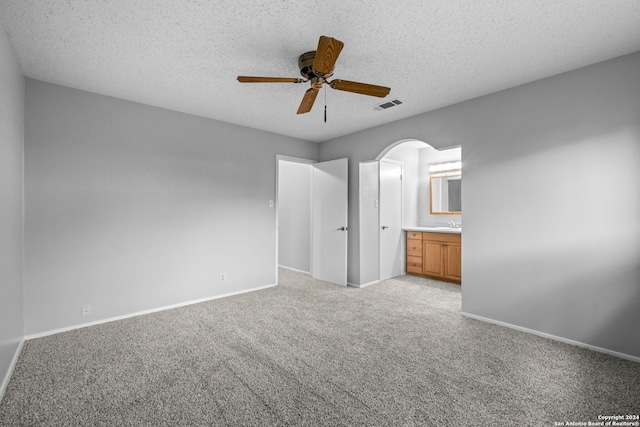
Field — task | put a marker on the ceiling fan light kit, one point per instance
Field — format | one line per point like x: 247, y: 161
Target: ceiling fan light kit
x: 317, y: 67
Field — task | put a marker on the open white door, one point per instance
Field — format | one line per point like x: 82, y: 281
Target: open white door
x: 391, y: 239
x: 369, y: 192
x: 330, y: 201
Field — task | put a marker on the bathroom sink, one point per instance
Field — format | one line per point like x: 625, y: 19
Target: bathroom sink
x: 442, y: 228
x: 433, y: 228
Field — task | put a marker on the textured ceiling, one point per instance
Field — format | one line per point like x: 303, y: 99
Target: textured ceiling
x: 184, y: 55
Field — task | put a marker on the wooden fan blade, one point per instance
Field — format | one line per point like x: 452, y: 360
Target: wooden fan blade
x: 308, y: 100
x: 326, y: 55
x: 363, y: 88
x: 253, y: 79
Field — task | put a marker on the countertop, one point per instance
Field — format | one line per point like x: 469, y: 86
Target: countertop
x: 435, y: 229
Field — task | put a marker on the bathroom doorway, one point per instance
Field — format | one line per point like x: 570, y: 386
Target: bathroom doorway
x: 382, y: 257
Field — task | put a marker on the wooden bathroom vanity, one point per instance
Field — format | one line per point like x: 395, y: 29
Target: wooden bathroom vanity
x: 435, y: 254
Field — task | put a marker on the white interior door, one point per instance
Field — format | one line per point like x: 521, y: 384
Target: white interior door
x: 369, y: 214
x: 329, y: 247
x: 391, y: 241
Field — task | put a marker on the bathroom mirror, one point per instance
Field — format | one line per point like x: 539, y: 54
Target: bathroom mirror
x: 446, y: 194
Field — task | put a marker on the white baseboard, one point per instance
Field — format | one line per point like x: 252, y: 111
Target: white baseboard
x: 364, y: 285
x: 553, y: 337
x: 294, y: 269
x: 141, y: 313
x: 12, y: 366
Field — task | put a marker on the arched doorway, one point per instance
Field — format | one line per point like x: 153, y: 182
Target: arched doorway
x: 382, y: 246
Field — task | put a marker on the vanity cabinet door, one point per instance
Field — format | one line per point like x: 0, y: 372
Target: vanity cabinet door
x: 453, y: 262
x: 433, y: 258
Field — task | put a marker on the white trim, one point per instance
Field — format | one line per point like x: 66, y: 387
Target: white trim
x: 364, y: 285
x: 553, y: 337
x: 141, y: 313
x: 12, y: 366
x: 294, y: 269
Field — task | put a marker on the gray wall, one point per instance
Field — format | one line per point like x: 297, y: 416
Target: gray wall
x: 542, y: 248
x: 294, y: 215
x: 12, y: 90
x: 131, y: 207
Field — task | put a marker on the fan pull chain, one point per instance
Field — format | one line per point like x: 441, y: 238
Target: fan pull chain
x: 325, y: 104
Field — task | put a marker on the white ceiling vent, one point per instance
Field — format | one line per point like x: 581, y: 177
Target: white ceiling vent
x: 387, y: 105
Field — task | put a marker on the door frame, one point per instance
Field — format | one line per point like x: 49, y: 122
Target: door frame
x: 281, y: 157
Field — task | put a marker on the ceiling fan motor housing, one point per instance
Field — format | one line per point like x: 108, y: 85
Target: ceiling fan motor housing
x: 305, y: 63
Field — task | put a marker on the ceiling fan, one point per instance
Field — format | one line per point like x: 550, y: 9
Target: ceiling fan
x: 316, y: 67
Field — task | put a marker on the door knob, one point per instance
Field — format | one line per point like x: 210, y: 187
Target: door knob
x: 384, y: 226
x: 342, y: 229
